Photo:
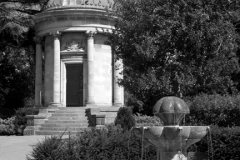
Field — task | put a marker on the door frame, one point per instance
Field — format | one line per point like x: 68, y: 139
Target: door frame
x: 78, y: 60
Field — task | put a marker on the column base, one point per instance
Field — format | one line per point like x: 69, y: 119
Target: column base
x: 117, y: 105
x: 90, y: 104
x: 53, y: 104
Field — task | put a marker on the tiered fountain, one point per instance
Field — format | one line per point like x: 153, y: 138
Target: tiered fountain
x: 171, y: 140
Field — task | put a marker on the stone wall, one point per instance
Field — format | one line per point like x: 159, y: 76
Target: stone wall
x: 102, y: 71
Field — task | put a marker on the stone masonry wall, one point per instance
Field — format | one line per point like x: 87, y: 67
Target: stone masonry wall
x: 103, y: 71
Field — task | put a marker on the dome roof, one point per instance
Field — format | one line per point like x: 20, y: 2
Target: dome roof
x: 97, y: 4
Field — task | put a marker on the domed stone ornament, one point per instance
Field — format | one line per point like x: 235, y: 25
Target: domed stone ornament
x: 170, y: 110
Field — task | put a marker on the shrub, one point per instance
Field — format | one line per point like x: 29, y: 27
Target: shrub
x: 50, y: 148
x: 110, y: 143
x: 225, y: 142
x: 215, y: 109
x: 143, y: 120
x: 7, y: 126
x: 125, y: 118
x: 16, y: 124
x: 20, y: 122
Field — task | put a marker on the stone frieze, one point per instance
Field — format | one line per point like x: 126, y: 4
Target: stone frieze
x: 74, y: 46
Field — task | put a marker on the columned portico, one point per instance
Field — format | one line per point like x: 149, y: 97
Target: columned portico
x: 83, y: 36
x: 38, y: 76
x: 90, y: 67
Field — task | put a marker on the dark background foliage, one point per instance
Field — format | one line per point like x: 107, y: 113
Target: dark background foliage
x: 17, y: 55
x: 173, y: 47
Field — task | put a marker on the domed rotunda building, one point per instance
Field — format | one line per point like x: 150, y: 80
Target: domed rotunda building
x: 79, y: 67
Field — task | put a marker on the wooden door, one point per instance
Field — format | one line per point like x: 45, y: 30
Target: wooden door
x: 74, y: 86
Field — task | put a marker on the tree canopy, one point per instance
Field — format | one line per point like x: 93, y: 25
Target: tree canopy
x: 177, y: 47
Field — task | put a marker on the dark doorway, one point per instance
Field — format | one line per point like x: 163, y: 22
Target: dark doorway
x: 74, y: 85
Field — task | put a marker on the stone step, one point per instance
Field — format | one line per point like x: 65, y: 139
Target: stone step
x: 67, y: 121
x: 72, y: 119
x: 72, y: 108
x: 68, y: 114
x: 62, y: 128
x: 66, y: 118
x: 71, y: 111
x: 64, y: 125
x: 56, y: 132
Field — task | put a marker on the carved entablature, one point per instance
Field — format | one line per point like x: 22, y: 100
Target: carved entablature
x: 101, y: 4
x: 72, y: 56
x: 74, y: 46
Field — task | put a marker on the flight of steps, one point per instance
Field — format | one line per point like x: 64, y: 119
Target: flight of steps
x: 65, y: 119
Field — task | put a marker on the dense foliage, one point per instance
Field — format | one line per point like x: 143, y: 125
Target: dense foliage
x: 17, y: 53
x: 216, y: 110
x: 144, y: 120
x: 110, y: 143
x: 173, y: 47
x: 16, y: 124
x: 7, y: 126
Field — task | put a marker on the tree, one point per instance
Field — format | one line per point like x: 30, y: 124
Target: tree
x: 17, y: 53
x: 173, y: 47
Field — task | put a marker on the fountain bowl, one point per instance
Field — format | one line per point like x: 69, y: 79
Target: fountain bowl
x: 171, y: 139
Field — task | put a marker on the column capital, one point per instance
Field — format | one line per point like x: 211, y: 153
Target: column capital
x: 90, y: 34
x: 37, y: 39
x: 56, y: 34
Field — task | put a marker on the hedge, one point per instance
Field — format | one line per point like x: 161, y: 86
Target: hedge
x: 105, y: 144
x: 143, y: 120
x: 225, y: 143
x: 217, y: 110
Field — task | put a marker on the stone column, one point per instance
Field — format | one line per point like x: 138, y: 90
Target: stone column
x: 117, y: 90
x: 90, y: 67
x: 56, y: 71
x: 38, y: 72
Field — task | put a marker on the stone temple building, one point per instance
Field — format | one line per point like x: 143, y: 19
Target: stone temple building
x: 79, y: 87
